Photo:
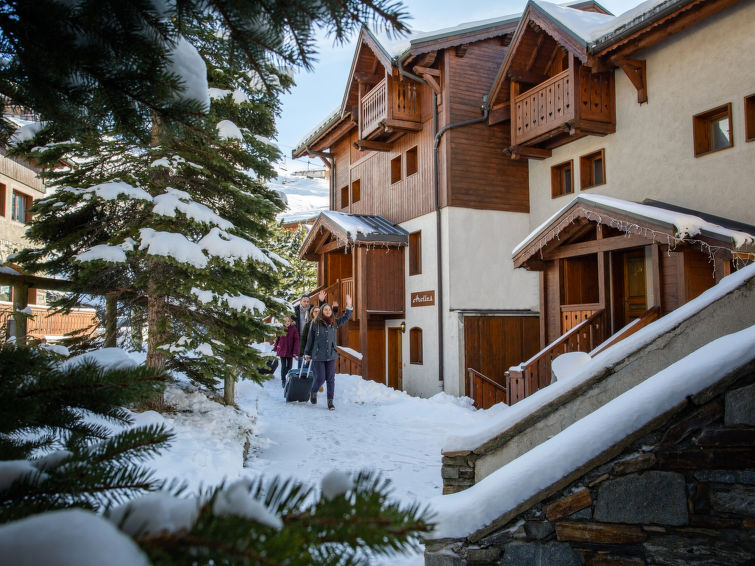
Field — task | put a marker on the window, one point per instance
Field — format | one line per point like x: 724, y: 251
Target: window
x: 396, y: 169
x: 750, y: 118
x: 20, y: 207
x: 411, y: 161
x: 562, y: 179
x: 2, y: 199
x: 344, y: 196
x: 415, y: 253
x: 712, y: 130
x: 415, y: 345
x: 592, y: 169
x: 356, y: 191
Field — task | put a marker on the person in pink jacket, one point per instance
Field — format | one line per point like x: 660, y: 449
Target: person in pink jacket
x: 287, y: 347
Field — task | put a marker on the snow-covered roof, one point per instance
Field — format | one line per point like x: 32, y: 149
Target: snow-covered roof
x: 467, y: 27
x: 467, y: 512
x: 300, y: 217
x: 366, y: 227
x: 315, y: 132
x: 683, y: 226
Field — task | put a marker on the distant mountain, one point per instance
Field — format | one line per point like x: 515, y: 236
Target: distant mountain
x: 304, y: 195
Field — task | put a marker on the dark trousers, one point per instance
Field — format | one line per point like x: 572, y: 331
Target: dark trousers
x: 300, y: 361
x: 286, y: 365
x: 325, y: 372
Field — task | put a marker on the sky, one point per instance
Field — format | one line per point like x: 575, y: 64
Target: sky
x: 320, y: 91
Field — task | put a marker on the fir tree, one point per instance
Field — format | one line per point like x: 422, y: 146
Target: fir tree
x: 53, y: 457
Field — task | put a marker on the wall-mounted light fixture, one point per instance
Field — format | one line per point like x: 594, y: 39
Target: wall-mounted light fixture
x: 403, y: 327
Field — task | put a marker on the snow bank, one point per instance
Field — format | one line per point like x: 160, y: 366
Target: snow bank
x: 463, y: 513
x: 108, y: 358
x: 473, y: 438
x: 68, y: 538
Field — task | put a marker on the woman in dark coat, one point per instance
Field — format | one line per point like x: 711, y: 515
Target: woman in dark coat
x: 314, y: 312
x: 287, y: 347
x: 321, y: 349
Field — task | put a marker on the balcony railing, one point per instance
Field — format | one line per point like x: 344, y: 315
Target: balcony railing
x: 374, y: 108
x: 45, y: 324
x: 484, y: 391
x: 535, y: 373
x: 337, y: 291
x: 543, y: 108
x: 391, y: 103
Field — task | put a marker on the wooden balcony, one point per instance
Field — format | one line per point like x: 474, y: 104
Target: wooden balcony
x: 565, y: 107
x: 388, y: 110
x: 336, y: 292
x: 46, y: 325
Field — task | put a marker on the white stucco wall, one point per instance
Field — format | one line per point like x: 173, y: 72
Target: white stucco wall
x: 651, y: 154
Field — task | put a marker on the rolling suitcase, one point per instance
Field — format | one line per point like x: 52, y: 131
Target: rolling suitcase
x: 298, y: 384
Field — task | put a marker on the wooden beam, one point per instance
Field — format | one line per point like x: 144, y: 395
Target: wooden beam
x: 365, y: 145
x: 527, y: 77
x: 552, y: 58
x: 595, y: 246
x: 430, y: 79
x: 535, y: 52
x: 461, y: 50
x: 420, y: 70
x: 634, y: 69
x: 331, y: 246
x: 656, y: 265
x: 526, y: 152
x: 368, y: 78
x: 404, y: 125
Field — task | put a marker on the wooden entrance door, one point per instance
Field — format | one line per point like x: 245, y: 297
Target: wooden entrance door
x: 635, y: 291
x: 395, y: 375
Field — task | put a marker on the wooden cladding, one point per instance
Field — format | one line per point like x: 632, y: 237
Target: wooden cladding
x: 415, y: 346
x: 415, y: 253
x: 712, y: 130
x: 543, y: 108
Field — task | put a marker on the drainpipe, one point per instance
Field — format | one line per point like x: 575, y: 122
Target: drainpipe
x: 437, y: 135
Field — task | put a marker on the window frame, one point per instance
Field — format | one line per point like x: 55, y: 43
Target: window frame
x: 701, y: 124
x: 3, y: 197
x: 28, y: 200
x: 415, y: 253
x: 414, y: 161
x: 749, y: 105
x: 587, y: 170
x: 557, y: 189
x: 396, y: 169
x: 416, y: 346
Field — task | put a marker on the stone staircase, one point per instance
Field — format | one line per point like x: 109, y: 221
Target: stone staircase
x: 726, y: 308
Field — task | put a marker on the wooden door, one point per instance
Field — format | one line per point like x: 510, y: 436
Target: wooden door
x: 395, y: 375
x: 635, y: 290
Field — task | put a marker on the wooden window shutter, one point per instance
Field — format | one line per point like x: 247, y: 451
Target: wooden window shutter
x: 3, y: 196
x: 415, y: 253
x: 415, y: 345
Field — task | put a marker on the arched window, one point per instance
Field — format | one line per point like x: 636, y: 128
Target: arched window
x: 415, y: 345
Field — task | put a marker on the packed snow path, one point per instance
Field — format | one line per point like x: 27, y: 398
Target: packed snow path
x: 373, y: 427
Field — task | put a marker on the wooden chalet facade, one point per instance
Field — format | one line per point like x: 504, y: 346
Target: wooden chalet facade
x: 620, y: 165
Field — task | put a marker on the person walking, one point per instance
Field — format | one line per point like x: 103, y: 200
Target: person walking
x: 301, y: 315
x: 287, y: 347
x: 321, y: 349
x: 314, y: 312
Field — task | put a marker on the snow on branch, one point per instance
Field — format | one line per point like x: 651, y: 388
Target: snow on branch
x: 226, y: 246
x: 168, y: 203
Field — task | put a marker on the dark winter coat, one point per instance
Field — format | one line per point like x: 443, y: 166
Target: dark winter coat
x: 287, y: 346
x: 303, y: 337
x: 321, y: 340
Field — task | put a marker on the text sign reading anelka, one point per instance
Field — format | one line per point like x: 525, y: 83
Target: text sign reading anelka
x: 423, y: 299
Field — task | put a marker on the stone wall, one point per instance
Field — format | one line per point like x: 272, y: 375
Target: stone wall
x: 683, y: 494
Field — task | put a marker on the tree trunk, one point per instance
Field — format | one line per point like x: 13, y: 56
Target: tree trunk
x: 157, y: 324
x: 229, y: 390
x: 111, y: 322
x: 20, y: 302
x: 137, y: 328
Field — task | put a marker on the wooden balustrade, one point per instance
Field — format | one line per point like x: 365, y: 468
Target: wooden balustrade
x: 484, y: 391
x: 535, y: 373
x: 337, y: 291
x: 348, y: 361
x: 405, y: 101
x: 543, y: 108
x: 44, y: 323
x: 374, y: 108
x: 650, y: 315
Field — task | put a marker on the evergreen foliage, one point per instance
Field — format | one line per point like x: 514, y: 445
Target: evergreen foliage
x: 53, y: 456
x: 298, y: 276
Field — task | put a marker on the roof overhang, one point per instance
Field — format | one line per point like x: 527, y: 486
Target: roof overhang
x: 333, y: 231
x: 643, y: 223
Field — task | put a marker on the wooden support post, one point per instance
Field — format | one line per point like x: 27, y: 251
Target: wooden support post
x: 635, y: 71
x: 20, y: 302
x: 656, y: 261
x: 229, y: 390
x: 111, y: 326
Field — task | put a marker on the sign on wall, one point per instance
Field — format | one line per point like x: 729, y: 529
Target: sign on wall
x: 423, y: 299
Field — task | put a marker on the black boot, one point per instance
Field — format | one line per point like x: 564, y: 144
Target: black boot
x: 331, y: 406
x: 283, y: 383
x: 313, y: 397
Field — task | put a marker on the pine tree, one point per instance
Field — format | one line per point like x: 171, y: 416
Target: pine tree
x: 297, y: 275
x: 52, y: 457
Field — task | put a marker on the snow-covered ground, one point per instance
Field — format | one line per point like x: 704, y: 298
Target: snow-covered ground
x: 302, y: 193
x: 373, y: 427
